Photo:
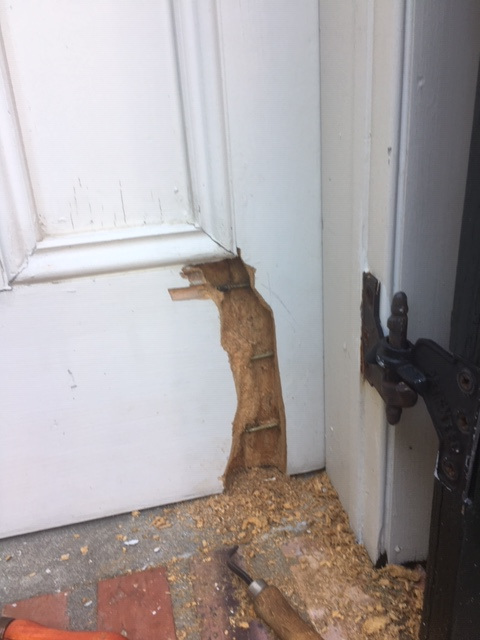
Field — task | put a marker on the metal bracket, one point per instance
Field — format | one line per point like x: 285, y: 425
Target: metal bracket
x: 401, y: 371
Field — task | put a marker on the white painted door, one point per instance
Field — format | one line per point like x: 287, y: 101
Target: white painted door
x: 135, y: 138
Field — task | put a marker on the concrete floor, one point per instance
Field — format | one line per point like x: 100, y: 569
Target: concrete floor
x: 293, y: 533
x: 32, y: 564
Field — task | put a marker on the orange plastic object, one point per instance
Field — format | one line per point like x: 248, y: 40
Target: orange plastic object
x: 26, y: 630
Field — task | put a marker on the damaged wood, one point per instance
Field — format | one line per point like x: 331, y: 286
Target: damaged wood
x: 195, y: 292
x: 248, y: 336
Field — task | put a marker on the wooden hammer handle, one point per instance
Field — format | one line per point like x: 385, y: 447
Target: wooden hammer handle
x: 26, y: 630
x: 273, y: 608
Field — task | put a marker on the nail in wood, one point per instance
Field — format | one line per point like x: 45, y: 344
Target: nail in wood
x: 262, y: 427
x: 262, y: 356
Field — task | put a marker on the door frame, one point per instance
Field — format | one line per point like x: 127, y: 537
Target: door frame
x: 398, y: 87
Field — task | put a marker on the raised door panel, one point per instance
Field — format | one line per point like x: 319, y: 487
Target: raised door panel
x: 114, y: 142
x: 99, y: 105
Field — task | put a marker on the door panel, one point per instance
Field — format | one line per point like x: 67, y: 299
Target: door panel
x: 113, y: 398
x: 111, y: 69
x: 111, y: 390
x: 114, y: 137
x: 123, y: 159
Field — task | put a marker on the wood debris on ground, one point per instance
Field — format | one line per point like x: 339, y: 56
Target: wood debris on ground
x: 294, y: 534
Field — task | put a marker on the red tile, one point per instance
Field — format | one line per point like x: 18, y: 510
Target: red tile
x: 49, y: 610
x: 137, y: 605
x: 215, y: 598
x: 212, y: 596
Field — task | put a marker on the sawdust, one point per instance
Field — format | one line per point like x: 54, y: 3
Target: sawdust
x: 294, y: 534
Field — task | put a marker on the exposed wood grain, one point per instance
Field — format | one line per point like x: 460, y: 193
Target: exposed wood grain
x: 247, y: 331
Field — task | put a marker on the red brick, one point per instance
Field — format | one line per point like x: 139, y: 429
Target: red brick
x: 214, y: 593
x: 212, y: 596
x: 137, y: 605
x: 49, y: 610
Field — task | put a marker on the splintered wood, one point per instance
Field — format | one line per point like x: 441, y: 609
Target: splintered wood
x: 294, y: 534
x: 248, y: 336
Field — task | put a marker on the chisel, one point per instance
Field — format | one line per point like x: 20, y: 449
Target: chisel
x: 271, y: 606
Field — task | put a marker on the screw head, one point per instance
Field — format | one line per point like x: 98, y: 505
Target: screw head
x: 449, y: 469
x: 462, y: 422
x: 466, y: 381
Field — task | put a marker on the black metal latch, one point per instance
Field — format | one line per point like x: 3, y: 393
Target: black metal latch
x: 401, y: 371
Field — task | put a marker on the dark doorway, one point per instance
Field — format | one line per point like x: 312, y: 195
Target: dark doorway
x: 452, y: 598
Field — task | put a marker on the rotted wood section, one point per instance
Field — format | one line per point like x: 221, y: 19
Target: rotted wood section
x: 248, y: 336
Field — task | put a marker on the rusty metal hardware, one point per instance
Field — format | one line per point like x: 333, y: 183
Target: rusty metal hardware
x: 448, y: 384
x: 224, y: 288
x: 262, y: 356
x: 262, y: 427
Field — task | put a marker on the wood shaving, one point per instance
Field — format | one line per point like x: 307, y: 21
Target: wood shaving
x: 375, y: 624
x: 159, y: 522
x: 294, y: 534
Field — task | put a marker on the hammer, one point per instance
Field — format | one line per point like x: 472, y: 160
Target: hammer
x: 13, y: 629
x: 271, y: 606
